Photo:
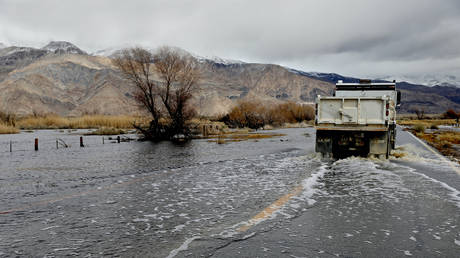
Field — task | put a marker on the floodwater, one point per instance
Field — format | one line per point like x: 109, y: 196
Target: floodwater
x: 261, y: 198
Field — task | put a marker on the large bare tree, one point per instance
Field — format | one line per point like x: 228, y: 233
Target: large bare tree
x: 164, y: 83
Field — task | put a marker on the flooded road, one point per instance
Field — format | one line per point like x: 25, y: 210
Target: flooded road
x: 266, y: 198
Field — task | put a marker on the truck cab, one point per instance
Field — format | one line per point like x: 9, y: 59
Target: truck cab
x: 359, y: 120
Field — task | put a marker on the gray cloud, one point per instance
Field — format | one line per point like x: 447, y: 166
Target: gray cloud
x: 355, y: 37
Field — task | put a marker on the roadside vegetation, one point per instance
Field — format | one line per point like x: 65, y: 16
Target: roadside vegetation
x: 445, y: 140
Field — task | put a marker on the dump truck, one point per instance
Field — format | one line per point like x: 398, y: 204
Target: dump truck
x: 358, y: 120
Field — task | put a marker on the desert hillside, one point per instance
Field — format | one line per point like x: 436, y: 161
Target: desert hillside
x: 63, y: 79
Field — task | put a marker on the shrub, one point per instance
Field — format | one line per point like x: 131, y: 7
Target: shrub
x: 419, y: 128
x: 256, y: 115
x: 450, y: 113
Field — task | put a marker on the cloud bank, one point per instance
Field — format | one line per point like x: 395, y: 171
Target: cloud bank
x: 352, y: 37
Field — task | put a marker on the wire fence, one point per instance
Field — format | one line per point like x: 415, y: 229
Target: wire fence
x: 45, y: 143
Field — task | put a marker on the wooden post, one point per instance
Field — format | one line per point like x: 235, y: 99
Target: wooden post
x: 205, y: 130
x: 118, y: 139
x: 11, y: 146
x: 36, y: 144
x: 102, y: 139
x: 81, y: 141
x: 57, y: 144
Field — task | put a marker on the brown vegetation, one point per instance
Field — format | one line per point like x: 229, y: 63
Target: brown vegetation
x: 256, y: 115
x: 84, y: 122
x: 426, y: 122
x: 8, y: 123
x: 7, y: 129
x: 443, y: 141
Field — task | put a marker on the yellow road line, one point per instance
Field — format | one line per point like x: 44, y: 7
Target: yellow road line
x: 450, y: 163
x: 267, y: 212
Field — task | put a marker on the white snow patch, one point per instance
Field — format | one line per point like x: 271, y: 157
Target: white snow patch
x: 413, y: 238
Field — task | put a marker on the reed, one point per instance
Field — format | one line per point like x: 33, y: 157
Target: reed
x: 7, y: 129
x: 83, y: 122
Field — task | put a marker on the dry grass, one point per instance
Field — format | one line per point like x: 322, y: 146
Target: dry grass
x: 427, y: 122
x: 6, y: 129
x: 84, y: 122
x: 443, y: 141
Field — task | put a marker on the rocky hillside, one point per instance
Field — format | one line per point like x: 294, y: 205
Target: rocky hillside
x: 61, y: 78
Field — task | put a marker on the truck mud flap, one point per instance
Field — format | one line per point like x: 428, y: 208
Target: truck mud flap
x: 378, y: 144
x: 323, y: 143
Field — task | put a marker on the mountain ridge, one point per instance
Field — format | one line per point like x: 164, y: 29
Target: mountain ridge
x: 61, y: 78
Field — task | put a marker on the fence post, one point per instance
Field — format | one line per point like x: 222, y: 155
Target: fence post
x: 36, y: 144
x: 118, y: 138
x: 81, y: 141
x: 102, y: 139
x: 11, y: 146
x: 57, y: 146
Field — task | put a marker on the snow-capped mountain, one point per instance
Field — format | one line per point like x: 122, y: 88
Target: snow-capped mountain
x: 327, y: 77
x: 218, y: 60
x: 107, y: 52
x: 428, y: 79
x: 111, y: 51
x: 63, y: 47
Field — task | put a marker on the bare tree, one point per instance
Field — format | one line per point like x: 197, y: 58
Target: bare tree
x: 166, y: 97
x: 179, y: 74
x: 420, y: 112
x: 135, y: 64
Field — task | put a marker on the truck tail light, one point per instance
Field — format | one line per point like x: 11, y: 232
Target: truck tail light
x: 387, y: 112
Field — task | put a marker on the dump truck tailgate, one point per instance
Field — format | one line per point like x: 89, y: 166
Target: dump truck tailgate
x: 345, y: 111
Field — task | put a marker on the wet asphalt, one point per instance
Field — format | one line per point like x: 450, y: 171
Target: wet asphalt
x: 205, y: 199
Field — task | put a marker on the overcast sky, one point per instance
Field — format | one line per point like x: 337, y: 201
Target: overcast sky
x: 356, y: 38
